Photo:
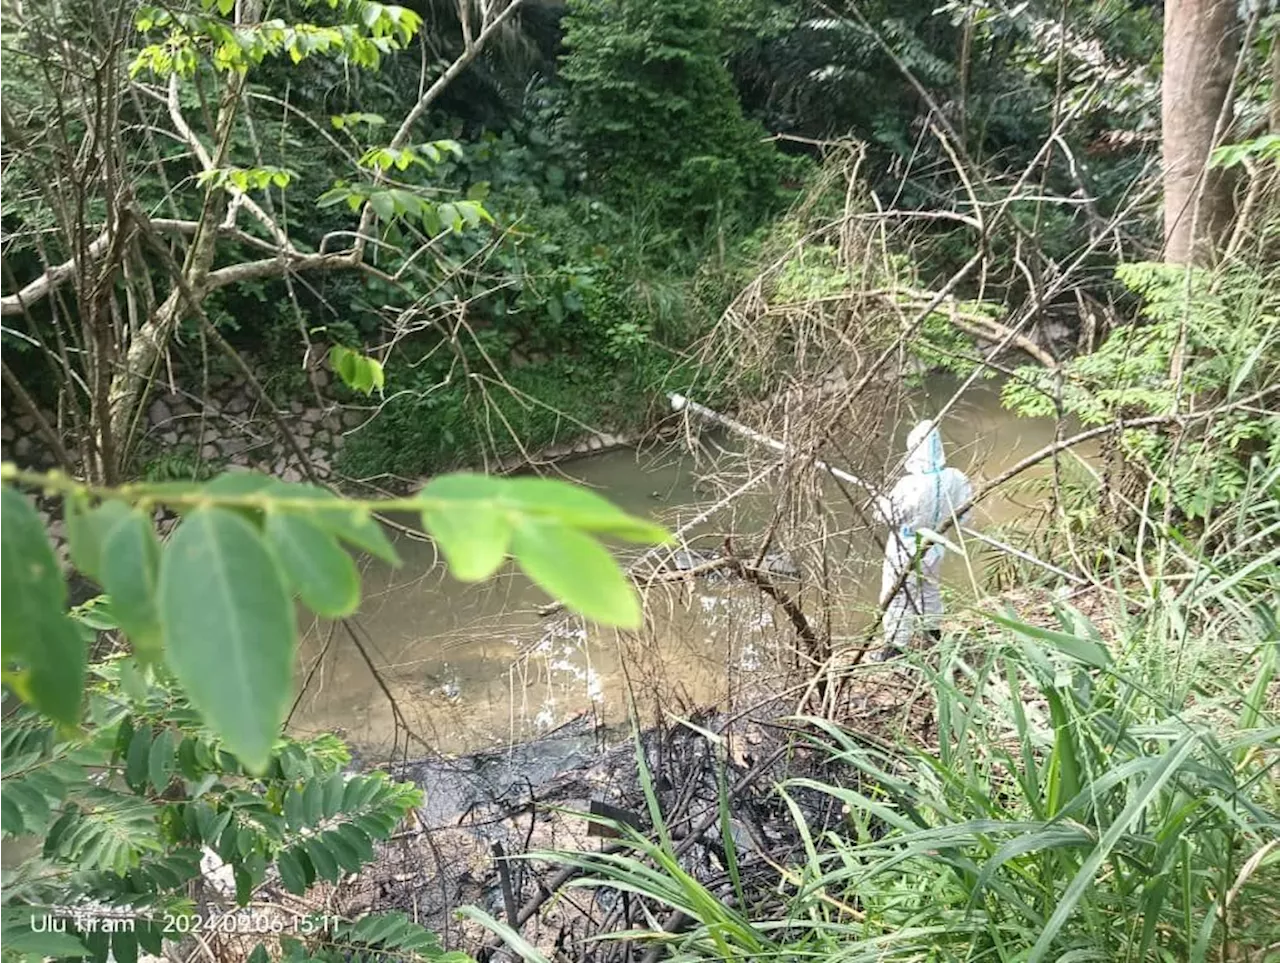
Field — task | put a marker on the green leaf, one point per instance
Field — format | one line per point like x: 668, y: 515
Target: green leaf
x: 382, y: 205
x: 11, y: 820
x: 151, y: 936
x: 138, y: 760
x: 295, y: 814
x: 160, y: 760
x: 351, y: 523
x: 474, y: 541
x: 188, y: 764
x: 358, y: 372
x: 87, y: 531
x: 528, y: 952
x: 130, y: 576
x: 334, y: 787
x: 377, y: 374
x: 54, y: 680
x: 1086, y: 877
x: 35, y: 631
x: 326, y: 866
x: 229, y: 630
x: 313, y: 802
x: 292, y: 873
x: 19, y: 937
x: 549, y: 498
x: 1085, y: 650
x: 30, y: 802
x: 576, y: 569
x: 359, y: 842
x: 581, y: 508
x: 343, y: 362
x: 347, y: 856
x: 124, y: 946
x: 321, y: 571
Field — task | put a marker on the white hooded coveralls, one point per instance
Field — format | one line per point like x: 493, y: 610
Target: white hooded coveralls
x: 925, y: 497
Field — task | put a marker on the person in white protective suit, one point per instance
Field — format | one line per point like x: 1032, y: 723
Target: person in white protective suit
x: 925, y: 498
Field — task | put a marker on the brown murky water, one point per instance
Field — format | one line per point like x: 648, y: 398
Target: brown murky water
x: 473, y: 667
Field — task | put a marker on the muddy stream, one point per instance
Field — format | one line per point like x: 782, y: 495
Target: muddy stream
x: 477, y: 667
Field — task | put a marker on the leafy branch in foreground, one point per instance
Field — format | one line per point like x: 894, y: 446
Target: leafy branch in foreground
x: 129, y: 848
x: 215, y: 602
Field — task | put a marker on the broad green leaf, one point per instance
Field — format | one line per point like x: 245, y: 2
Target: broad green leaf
x: 21, y: 938
x: 295, y: 813
x: 459, y: 489
x: 334, y: 787
x: 313, y: 802
x: 351, y: 523
x: 11, y: 821
x: 235, y: 484
x: 229, y: 630
x: 151, y: 936
x: 577, y: 570
x: 124, y: 946
x: 131, y: 564
x: 382, y: 205
x: 54, y: 680
x: 581, y: 508
x: 188, y: 765
x: 138, y: 760
x: 474, y: 541
x: 544, y: 498
x: 359, y: 841
x: 292, y: 873
x: 346, y: 855
x: 87, y: 531
x: 133, y: 681
x: 377, y: 374
x: 321, y: 571
x: 35, y: 631
x: 30, y: 802
x: 326, y: 866
x: 362, y: 374
x: 160, y: 760
x: 343, y: 362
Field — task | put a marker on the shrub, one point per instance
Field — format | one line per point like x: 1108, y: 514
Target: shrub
x: 655, y: 112
x: 1202, y: 339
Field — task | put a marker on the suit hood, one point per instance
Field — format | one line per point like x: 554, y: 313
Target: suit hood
x: 924, y: 450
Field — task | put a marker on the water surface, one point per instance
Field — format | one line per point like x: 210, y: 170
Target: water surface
x: 473, y: 667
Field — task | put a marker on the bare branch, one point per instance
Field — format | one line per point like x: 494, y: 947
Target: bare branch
x: 45, y: 284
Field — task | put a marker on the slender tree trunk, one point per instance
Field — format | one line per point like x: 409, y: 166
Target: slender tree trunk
x: 130, y: 385
x: 1275, y: 85
x: 1200, y: 46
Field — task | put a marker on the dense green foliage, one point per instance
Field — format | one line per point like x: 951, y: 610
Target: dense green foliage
x: 1225, y: 322
x: 606, y: 200
x: 653, y: 110
x: 1098, y: 812
x: 1100, y: 786
x: 131, y: 847
x: 190, y: 709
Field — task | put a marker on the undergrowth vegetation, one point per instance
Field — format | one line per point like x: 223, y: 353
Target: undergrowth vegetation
x: 502, y: 225
x: 1100, y: 778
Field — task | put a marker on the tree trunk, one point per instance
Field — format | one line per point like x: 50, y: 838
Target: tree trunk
x: 1200, y: 46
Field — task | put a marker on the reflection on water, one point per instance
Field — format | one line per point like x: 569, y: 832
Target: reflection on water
x: 478, y: 666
